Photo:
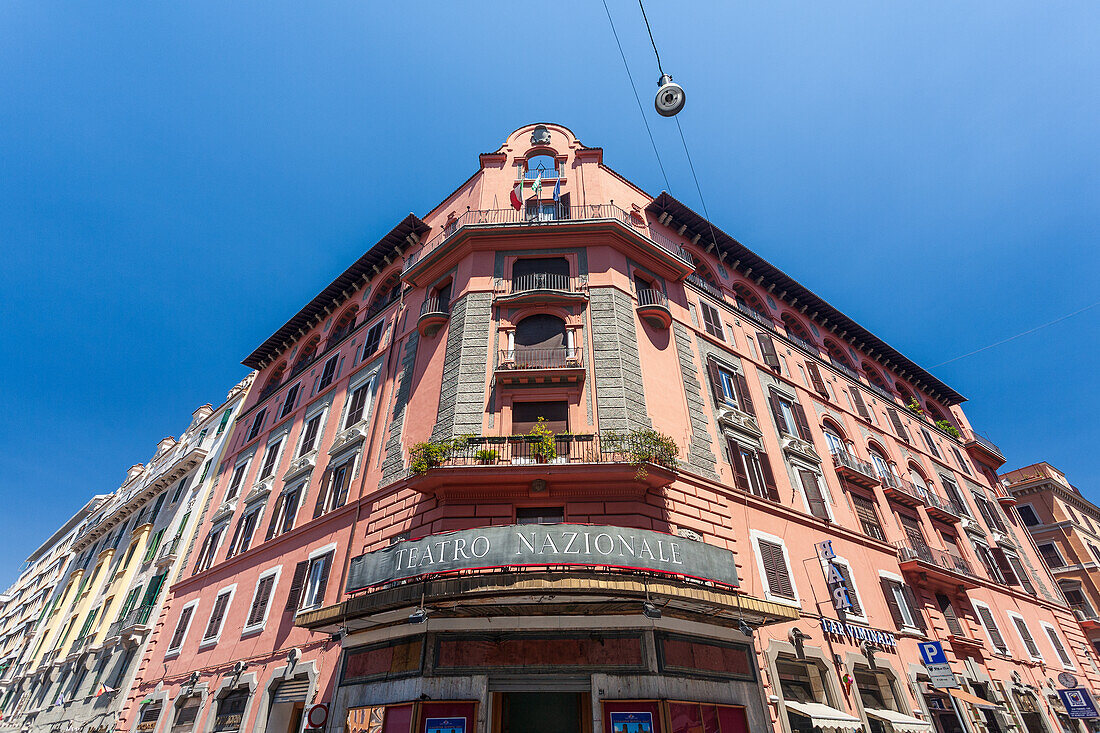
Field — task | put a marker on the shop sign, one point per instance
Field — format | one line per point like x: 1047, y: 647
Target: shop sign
x: 884, y: 639
x: 1079, y: 703
x: 935, y: 661
x: 838, y: 589
x: 445, y: 725
x: 631, y: 722
x: 542, y: 545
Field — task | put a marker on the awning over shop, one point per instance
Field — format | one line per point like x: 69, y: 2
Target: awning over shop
x: 900, y: 722
x: 972, y: 699
x: 830, y: 720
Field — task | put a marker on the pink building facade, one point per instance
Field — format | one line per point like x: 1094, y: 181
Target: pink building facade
x: 570, y: 466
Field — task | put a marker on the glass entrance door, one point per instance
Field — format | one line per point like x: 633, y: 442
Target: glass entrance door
x: 541, y: 712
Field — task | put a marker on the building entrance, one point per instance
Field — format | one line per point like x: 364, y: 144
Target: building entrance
x: 541, y: 712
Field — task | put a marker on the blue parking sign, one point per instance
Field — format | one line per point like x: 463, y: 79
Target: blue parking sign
x: 932, y: 652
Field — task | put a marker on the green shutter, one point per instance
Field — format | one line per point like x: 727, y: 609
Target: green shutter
x: 154, y: 543
x: 88, y: 623
x: 225, y: 420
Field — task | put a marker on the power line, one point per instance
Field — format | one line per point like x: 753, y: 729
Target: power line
x: 634, y: 89
x: 651, y: 38
x: 1022, y: 333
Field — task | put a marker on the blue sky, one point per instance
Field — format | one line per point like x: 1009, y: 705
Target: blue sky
x: 177, y: 179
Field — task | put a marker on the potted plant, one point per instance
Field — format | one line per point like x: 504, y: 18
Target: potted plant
x: 644, y: 446
x: 948, y: 428
x: 429, y: 454
x: 541, y: 439
x: 485, y: 456
x: 914, y: 406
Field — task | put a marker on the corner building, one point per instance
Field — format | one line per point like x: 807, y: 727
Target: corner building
x: 566, y: 466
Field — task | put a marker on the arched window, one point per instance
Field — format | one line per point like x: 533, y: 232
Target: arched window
x: 937, y: 415
x: 834, y: 436
x: 907, y: 397
x: 704, y: 273
x: 388, y: 292
x: 541, y: 164
x: 874, y: 377
x: 918, y: 479
x: 542, y: 340
x: 747, y: 298
x: 795, y: 328
x: 837, y: 354
x: 307, y: 355
x: 274, y: 380
x: 344, y: 324
x: 878, y: 460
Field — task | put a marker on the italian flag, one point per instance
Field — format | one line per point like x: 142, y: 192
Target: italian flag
x: 517, y: 195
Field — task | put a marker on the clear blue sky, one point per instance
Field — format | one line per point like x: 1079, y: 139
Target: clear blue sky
x: 177, y: 179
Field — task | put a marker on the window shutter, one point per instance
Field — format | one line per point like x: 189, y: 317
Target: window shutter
x: 259, y: 603
x: 991, y: 629
x: 813, y: 495
x: 156, y: 507
x: 769, y: 477
x: 181, y: 627
x: 815, y: 378
x: 1021, y: 574
x: 740, y: 473
x: 767, y: 350
x: 899, y: 426
x: 1029, y: 641
x: 1058, y: 647
x: 777, y: 412
x: 928, y: 441
x: 743, y: 394
x: 892, y: 601
x: 274, y: 523
x: 215, y: 623
x: 294, y: 596
x: 322, y: 492
x: 775, y: 569
x: 715, y: 383
x: 861, y: 406
x: 801, y: 423
x: 914, y: 606
x: 949, y: 615
x: 322, y: 583
x: 1005, y: 566
x: 341, y: 491
x: 153, y: 590
x: 846, y: 573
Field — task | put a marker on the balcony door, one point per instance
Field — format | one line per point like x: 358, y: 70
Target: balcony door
x: 541, y: 341
x: 915, y: 536
x: 540, y: 273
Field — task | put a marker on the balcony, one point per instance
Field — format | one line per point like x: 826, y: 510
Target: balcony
x: 942, y: 508
x: 1086, y: 616
x: 983, y: 450
x: 433, y: 314
x: 169, y: 552
x: 903, y: 491
x: 543, y: 287
x: 519, y: 367
x: 854, y: 470
x: 653, y: 307
x: 935, y: 566
x: 81, y: 644
x: 564, y: 217
x: 803, y: 344
x: 134, y: 621
x: 611, y: 464
x: 762, y: 319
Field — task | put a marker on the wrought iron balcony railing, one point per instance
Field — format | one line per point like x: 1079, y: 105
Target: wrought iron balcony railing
x: 650, y: 296
x: 907, y: 551
x: 843, y: 459
x: 556, y: 358
x: 135, y: 618
x: 543, y: 281
x: 434, y: 304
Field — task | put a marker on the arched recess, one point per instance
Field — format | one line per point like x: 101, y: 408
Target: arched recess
x: 795, y: 328
x: 746, y: 297
x: 703, y: 272
x: 907, y: 396
x: 345, y: 322
x: 307, y: 354
x: 541, y: 340
x: 275, y: 378
x: 874, y: 377
x: 387, y: 293
x: 837, y: 354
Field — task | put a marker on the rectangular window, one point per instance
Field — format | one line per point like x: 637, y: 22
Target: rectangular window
x: 328, y: 373
x: 261, y: 600
x: 286, y: 509
x: 309, y: 434
x: 335, y: 483
x: 953, y: 495
x: 991, y: 629
x: 271, y: 459
x: 540, y: 515
x: 929, y: 442
x: 776, y: 573
x: 752, y: 472
x: 790, y: 418
x: 849, y: 584
x: 768, y: 352
x: 246, y: 527
x: 1051, y: 556
x: 729, y: 388
x: 373, y: 339
x: 181, y: 626
x: 357, y: 403
x: 289, y: 400
x: 1027, y: 515
x: 210, y: 547
x: 868, y: 516
x: 257, y: 423
x: 712, y: 321
x: 236, y: 481
x: 816, y: 380
x: 225, y: 421
x: 859, y: 404
x: 902, y: 604
x: 316, y: 581
x: 1026, y: 637
x: 960, y: 460
x: 814, y: 497
x: 1059, y: 648
x: 217, y: 616
x: 899, y: 426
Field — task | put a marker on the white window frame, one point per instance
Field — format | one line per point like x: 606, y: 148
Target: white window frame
x: 859, y: 596
x: 1052, y: 629
x: 826, y: 497
x: 246, y: 462
x: 281, y: 440
x: 232, y: 590
x: 1057, y: 552
x: 903, y: 602
x: 321, y: 410
x: 1014, y: 615
x: 755, y: 536
x: 985, y: 628
x: 368, y: 377
x: 214, y: 549
x: 174, y: 651
x: 1035, y: 513
x: 318, y: 553
x: 275, y: 571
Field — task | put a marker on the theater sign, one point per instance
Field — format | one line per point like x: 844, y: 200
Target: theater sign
x: 530, y: 545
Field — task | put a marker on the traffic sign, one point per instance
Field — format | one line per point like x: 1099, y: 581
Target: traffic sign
x: 935, y: 661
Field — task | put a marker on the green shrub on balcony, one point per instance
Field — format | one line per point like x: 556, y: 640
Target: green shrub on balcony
x: 948, y: 428
x: 432, y: 453
x: 644, y: 446
x: 486, y: 456
x: 542, y: 447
